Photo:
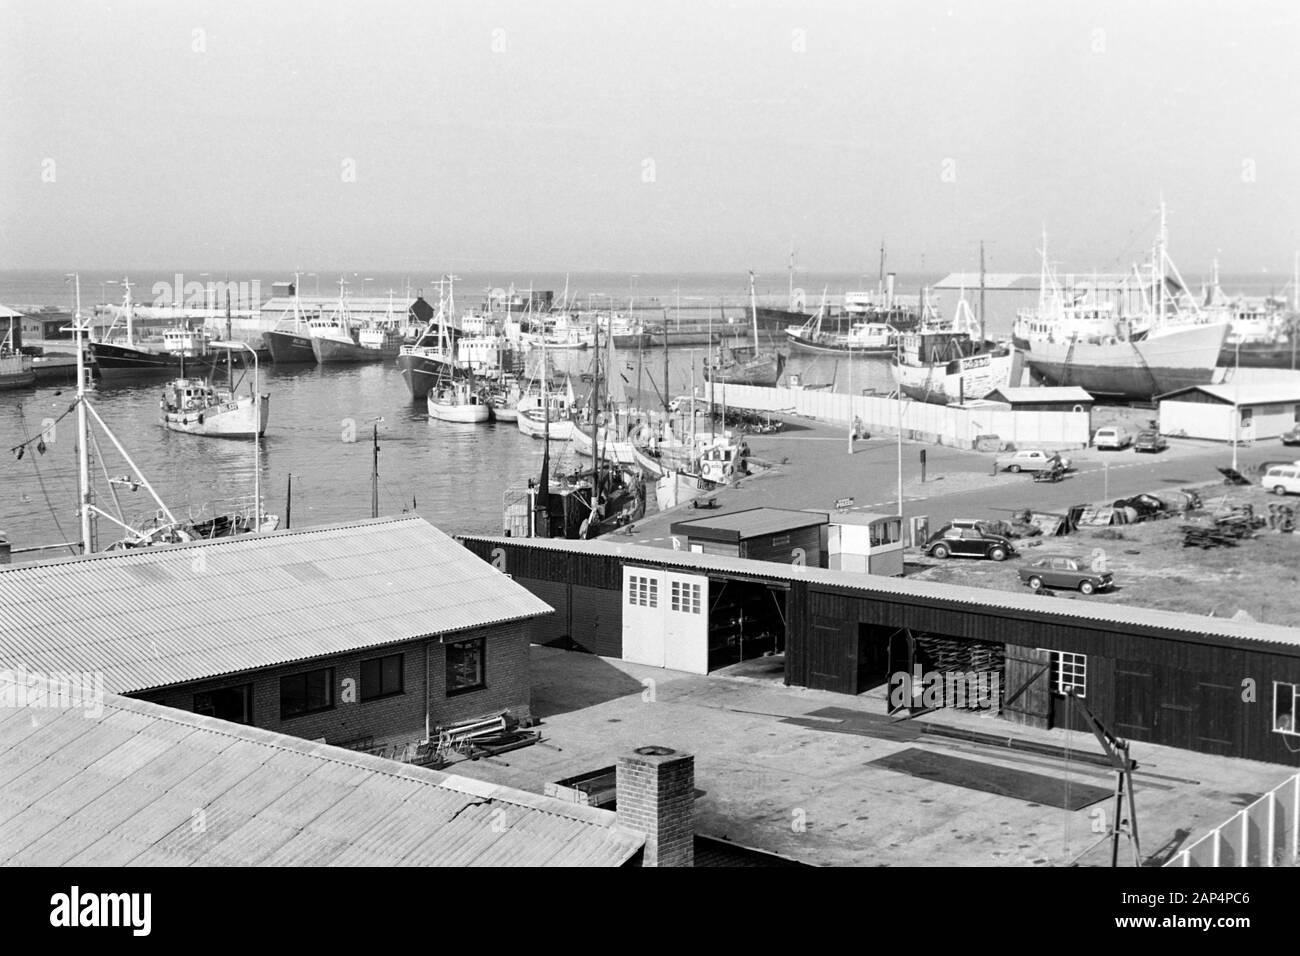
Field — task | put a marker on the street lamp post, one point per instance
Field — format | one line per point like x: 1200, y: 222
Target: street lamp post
x: 257, y: 430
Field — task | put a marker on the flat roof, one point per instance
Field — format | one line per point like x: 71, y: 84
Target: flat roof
x: 158, y: 616
x: 125, y: 786
x: 1270, y: 394
x: 1024, y: 606
x: 749, y: 523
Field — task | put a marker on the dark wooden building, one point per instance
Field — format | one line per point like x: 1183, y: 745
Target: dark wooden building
x: 764, y: 534
x: 1203, y: 684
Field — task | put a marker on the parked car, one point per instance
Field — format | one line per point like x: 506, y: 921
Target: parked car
x: 1150, y: 440
x: 1030, y: 459
x: 968, y: 543
x: 1292, y: 437
x: 1112, y: 437
x: 1282, y: 480
x: 1063, y: 571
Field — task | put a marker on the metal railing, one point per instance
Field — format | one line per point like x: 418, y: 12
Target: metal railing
x: 1266, y: 833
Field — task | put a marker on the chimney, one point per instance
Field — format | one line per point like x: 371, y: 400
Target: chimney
x: 656, y: 796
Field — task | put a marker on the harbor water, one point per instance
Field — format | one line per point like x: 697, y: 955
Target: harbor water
x: 322, y: 419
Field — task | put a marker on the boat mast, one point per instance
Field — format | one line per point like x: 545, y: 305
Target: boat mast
x: 880, y: 283
x: 665, y: 396
x: 791, y: 300
x: 983, y: 336
x: 542, y: 501
x: 126, y: 304
x: 753, y: 310
x: 83, y: 435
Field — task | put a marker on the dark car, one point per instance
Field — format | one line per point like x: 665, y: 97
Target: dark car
x: 968, y: 543
x: 1150, y: 440
x: 1147, y: 506
x: 1292, y: 437
x: 1063, y: 571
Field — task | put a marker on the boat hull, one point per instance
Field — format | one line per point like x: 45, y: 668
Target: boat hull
x: 332, y: 351
x: 764, y: 372
x: 422, y: 372
x: 466, y: 414
x: 125, y: 362
x: 1285, y: 354
x: 533, y: 424
x: 234, y: 419
x: 1133, y: 371
x: 959, y: 380
x: 618, y: 452
x: 289, y: 348
x: 803, y: 344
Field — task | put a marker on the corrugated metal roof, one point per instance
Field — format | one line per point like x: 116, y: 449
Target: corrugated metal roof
x: 993, y: 281
x: 751, y: 522
x: 1269, y: 394
x: 165, y: 615
x: 1046, y: 393
x: 145, y: 784
x: 1082, y: 613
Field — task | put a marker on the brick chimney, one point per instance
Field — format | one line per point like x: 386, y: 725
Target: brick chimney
x: 656, y: 796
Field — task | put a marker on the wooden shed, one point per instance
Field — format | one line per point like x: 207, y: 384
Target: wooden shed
x: 765, y: 534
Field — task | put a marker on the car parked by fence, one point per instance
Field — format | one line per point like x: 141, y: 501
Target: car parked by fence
x: 1064, y: 571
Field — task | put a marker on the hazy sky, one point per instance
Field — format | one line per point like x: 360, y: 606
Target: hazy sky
x: 650, y: 136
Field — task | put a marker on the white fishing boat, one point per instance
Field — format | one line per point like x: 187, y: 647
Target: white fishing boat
x: 457, y: 400
x: 548, y: 410
x: 198, y: 407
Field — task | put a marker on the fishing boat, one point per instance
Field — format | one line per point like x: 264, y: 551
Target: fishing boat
x: 1170, y: 344
x: 1133, y: 370
x: 558, y: 331
x: 457, y: 400
x: 503, y: 399
x: 289, y: 343
x: 200, y: 407
x: 950, y: 362
x: 862, y: 337
x: 748, y: 365
x: 343, y: 341
x: 16, y: 371
x: 548, y: 412
x: 425, y: 362
x: 127, y: 358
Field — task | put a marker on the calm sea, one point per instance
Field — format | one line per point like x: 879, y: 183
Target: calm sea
x: 454, y: 475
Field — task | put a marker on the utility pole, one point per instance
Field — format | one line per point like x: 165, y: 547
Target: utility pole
x: 374, y: 476
x: 83, y: 435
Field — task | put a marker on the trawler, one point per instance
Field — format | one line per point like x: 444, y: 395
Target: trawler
x: 1170, y: 344
x: 748, y: 365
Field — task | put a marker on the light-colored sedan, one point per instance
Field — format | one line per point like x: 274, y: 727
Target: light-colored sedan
x: 1030, y: 459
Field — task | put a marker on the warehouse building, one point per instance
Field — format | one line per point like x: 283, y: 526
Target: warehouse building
x: 1228, y: 413
x: 367, y: 635
x: 1203, y: 684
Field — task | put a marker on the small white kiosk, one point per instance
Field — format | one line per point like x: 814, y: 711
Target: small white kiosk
x: 867, y: 543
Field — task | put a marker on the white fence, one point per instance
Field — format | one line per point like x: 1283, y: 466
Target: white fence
x: 1263, y: 834
x: 939, y: 424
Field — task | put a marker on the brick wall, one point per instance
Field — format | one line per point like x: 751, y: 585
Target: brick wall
x: 389, y: 720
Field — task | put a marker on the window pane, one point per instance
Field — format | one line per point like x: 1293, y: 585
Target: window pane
x: 392, y: 674
x: 370, y: 679
x: 465, y: 665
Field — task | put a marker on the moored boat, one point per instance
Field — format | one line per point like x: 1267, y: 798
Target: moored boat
x: 197, y: 407
x: 457, y: 400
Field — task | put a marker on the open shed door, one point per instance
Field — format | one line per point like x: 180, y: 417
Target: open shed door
x: 1028, y: 698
